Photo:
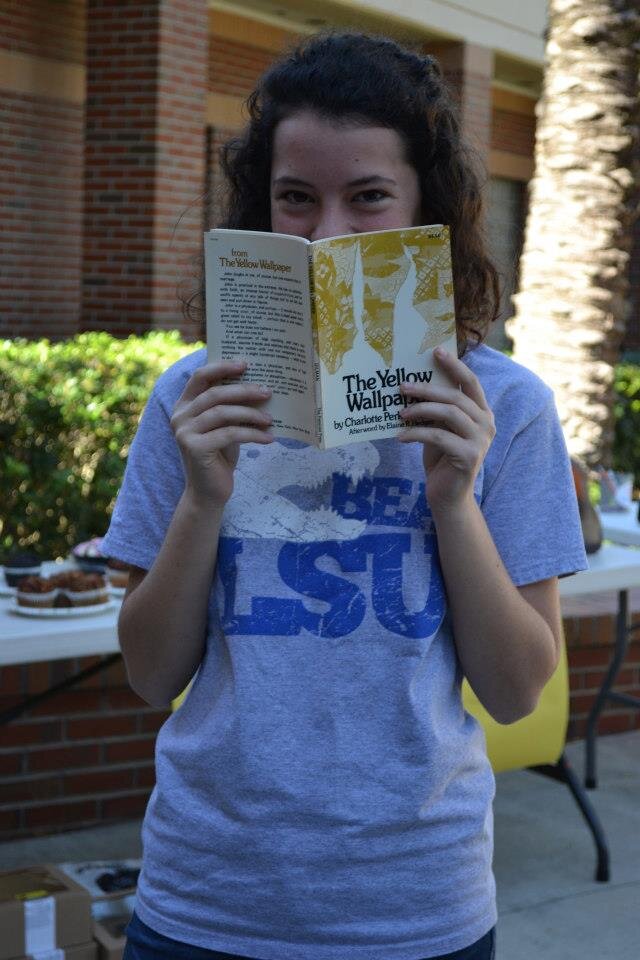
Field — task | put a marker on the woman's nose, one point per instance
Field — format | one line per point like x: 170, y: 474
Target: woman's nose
x: 332, y: 222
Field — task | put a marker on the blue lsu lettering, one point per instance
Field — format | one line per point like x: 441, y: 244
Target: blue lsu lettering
x: 347, y: 604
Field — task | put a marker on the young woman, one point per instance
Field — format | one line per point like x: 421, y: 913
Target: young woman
x: 322, y: 794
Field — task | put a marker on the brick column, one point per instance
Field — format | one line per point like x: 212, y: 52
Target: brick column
x: 144, y: 160
x: 469, y: 69
x: 41, y: 147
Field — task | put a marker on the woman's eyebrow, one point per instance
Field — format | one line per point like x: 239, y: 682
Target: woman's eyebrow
x: 375, y: 178
x: 291, y: 181
x: 360, y: 182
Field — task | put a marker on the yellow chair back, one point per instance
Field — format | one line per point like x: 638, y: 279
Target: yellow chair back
x: 180, y: 698
x: 536, y: 739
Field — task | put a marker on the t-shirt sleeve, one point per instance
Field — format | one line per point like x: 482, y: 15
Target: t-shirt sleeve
x: 152, y: 486
x: 530, y: 506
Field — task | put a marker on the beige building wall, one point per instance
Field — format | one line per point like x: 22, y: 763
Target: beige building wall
x: 513, y: 28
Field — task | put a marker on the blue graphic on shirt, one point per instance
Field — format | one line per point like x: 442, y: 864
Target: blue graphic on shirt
x: 377, y: 501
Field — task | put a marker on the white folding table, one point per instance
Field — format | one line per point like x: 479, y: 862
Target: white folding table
x: 621, y: 526
x: 25, y: 639
x: 29, y: 640
x: 612, y: 568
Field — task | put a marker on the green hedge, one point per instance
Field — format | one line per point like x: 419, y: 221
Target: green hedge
x: 68, y: 412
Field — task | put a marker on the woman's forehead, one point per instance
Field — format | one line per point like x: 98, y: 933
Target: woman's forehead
x: 309, y: 138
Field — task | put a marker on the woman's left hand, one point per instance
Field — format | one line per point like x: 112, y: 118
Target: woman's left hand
x: 455, y: 427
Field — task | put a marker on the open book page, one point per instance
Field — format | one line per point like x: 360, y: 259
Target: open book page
x: 383, y: 301
x: 257, y: 288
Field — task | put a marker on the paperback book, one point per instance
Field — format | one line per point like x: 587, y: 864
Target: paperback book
x: 332, y: 327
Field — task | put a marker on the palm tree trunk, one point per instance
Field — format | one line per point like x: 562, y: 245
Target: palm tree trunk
x: 570, y: 312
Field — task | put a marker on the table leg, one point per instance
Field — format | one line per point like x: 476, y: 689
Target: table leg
x: 620, y: 649
x: 14, y: 712
x: 563, y: 771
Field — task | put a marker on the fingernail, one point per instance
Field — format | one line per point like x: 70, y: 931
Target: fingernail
x: 265, y: 391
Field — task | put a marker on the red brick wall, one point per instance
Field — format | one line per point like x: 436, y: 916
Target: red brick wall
x: 469, y: 78
x: 83, y: 757
x: 589, y: 648
x: 145, y: 144
x: 41, y: 211
x: 43, y: 29
x: 513, y: 132
x: 40, y: 178
x: 119, y: 169
x: 180, y: 157
x: 477, y: 111
x: 235, y: 67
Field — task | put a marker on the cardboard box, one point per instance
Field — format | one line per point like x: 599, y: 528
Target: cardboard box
x: 110, y: 918
x: 104, y: 879
x: 41, y: 909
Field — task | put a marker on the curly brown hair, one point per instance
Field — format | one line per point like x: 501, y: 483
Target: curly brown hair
x: 370, y: 80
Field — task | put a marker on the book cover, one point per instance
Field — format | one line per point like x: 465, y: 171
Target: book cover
x: 333, y: 327
x: 382, y: 302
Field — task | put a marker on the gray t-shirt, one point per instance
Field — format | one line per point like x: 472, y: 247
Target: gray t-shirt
x: 322, y: 794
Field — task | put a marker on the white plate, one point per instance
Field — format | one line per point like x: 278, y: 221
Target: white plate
x: 117, y: 591
x: 46, y: 613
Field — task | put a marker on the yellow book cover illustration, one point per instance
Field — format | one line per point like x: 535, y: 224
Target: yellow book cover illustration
x: 333, y: 327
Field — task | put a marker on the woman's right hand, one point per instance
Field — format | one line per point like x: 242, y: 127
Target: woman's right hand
x: 210, y: 421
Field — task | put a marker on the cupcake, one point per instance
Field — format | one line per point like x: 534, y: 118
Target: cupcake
x: 77, y: 589
x: 89, y: 557
x: 117, y: 573
x: 18, y: 565
x: 36, y: 592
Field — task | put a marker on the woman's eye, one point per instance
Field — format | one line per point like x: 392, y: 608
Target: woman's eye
x: 371, y: 196
x: 295, y: 197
